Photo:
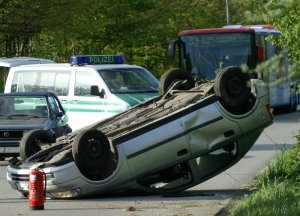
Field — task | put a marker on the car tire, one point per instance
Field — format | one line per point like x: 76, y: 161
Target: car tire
x: 232, y: 87
x: 172, y: 75
x: 29, y: 144
x: 91, y: 153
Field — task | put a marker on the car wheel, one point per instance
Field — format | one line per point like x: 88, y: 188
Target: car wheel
x: 31, y: 142
x: 92, y: 154
x: 172, y: 75
x: 232, y: 86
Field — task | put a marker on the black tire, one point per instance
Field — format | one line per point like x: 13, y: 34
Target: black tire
x: 232, y: 86
x: 92, y: 154
x: 30, y: 143
x: 172, y: 75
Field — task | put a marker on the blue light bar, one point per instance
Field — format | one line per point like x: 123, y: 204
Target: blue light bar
x: 78, y: 60
x: 96, y: 59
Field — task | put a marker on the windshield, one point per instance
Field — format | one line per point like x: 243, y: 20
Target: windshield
x: 205, y: 53
x: 129, y: 80
x: 18, y: 106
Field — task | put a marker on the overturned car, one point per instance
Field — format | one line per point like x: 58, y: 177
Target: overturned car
x: 190, y: 133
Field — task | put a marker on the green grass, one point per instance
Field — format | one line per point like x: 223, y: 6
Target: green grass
x: 277, y: 189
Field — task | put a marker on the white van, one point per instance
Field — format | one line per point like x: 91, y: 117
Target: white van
x: 7, y: 63
x: 90, y: 88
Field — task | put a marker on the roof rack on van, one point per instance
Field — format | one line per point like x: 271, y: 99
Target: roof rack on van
x: 96, y: 59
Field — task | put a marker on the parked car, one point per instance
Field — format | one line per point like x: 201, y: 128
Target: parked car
x: 165, y: 145
x: 35, y: 118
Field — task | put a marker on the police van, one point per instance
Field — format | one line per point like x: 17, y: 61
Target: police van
x: 90, y: 88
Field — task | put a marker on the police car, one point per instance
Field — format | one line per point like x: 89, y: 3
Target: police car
x: 165, y: 145
x: 90, y: 88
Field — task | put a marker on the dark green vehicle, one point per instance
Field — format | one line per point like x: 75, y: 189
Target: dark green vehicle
x: 34, y: 119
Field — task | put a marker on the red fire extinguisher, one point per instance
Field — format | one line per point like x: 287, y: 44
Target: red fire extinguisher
x: 36, y: 190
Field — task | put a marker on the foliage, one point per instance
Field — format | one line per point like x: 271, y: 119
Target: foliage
x: 285, y: 16
x: 139, y: 29
x: 277, y: 190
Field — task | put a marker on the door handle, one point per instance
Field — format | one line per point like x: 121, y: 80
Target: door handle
x: 182, y: 152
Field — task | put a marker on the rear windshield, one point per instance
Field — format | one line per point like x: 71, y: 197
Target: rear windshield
x: 22, y: 106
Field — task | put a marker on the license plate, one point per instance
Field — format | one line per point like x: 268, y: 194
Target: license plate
x: 9, y: 149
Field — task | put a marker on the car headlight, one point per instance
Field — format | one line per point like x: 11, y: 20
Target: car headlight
x: 22, y: 186
x: 66, y: 194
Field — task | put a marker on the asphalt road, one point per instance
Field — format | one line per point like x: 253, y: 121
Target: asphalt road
x: 207, y: 198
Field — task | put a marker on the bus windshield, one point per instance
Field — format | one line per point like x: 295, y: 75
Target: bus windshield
x: 206, y: 53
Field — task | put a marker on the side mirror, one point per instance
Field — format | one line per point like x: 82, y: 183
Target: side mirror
x: 59, y: 114
x: 171, y: 48
x: 95, y: 91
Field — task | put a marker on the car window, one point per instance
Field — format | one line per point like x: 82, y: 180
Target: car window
x: 24, y: 106
x: 24, y: 81
x: 83, y: 82
x: 35, y: 81
x: 54, y: 104
x: 129, y: 80
x: 55, y: 81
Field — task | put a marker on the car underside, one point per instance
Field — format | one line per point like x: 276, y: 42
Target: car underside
x: 167, y: 144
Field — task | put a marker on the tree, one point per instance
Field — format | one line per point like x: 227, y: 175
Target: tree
x: 285, y: 16
x: 139, y: 29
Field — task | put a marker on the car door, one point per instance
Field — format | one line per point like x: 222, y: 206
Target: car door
x: 59, y: 120
x: 84, y: 108
x: 157, y: 147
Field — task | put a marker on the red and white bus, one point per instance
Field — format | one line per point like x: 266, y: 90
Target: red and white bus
x: 203, y: 51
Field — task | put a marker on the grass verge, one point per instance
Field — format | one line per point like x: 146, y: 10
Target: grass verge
x: 277, y: 189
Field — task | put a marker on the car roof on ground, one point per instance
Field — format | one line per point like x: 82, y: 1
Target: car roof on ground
x: 16, y: 61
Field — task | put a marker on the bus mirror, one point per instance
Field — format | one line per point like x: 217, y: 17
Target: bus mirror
x: 95, y: 91
x: 260, y: 53
x: 171, y: 48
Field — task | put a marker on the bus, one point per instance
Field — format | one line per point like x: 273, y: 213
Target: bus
x: 201, y: 52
